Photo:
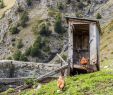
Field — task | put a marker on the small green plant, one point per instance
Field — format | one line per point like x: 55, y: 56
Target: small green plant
x: 10, y: 90
x: 14, y: 30
x: 9, y: 58
x: 80, y: 5
x: 58, y: 24
x: 60, y: 5
x: 23, y: 58
x: 2, y: 4
x: 24, y: 18
x: 19, y: 56
x: 64, y: 57
x: 20, y: 9
x: 29, y: 82
x: 44, y: 29
x: 98, y: 16
x: 19, y: 44
x: 68, y: 1
x: 29, y: 2
x: 35, y: 50
x: 16, y: 55
x: 28, y: 51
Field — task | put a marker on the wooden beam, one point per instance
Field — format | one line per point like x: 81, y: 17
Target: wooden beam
x: 62, y: 58
x: 52, y: 73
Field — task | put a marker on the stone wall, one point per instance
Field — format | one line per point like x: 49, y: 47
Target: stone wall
x: 18, y: 69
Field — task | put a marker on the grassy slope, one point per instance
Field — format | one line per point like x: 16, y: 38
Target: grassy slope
x: 106, y: 48
x: 98, y: 83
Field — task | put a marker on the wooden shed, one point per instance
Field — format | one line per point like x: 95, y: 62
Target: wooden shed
x: 84, y: 38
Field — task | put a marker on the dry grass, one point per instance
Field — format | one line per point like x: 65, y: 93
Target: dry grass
x: 8, y: 5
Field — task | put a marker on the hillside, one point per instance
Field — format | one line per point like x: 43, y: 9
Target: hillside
x: 98, y: 83
x: 106, y: 48
x: 25, y: 19
x: 36, y: 30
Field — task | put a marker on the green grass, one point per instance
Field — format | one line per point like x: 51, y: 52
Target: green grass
x: 98, y: 83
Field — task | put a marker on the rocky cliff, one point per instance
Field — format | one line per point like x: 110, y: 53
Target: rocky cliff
x: 18, y: 24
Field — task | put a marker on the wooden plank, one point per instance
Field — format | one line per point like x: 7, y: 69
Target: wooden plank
x: 52, y: 73
x: 62, y: 58
x: 79, y: 67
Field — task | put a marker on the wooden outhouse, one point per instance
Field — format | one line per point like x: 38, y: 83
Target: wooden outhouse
x: 84, y: 38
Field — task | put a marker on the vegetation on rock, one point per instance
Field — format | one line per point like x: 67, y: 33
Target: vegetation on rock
x: 2, y: 4
x: 98, y: 16
x: 14, y: 30
x: 24, y: 18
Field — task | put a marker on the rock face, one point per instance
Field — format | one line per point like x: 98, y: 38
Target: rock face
x: 17, y: 69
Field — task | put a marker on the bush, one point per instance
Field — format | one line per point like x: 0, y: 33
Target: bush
x: 68, y: 1
x: 27, y: 52
x: 23, y: 58
x: 19, y: 56
x: 16, y: 55
x: 9, y: 58
x: 64, y: 57
x: 19, y: 44
x: 10, y: 90
x: 29, y: 2
x: 60, y: 6
x: 24, y: 18
x: 98, y: 16
x: 34, y: 52
x: 20, y: 9
x: 14, y: 30
x: 44, y: 29
x: 58, y: 24
x: 80, y: 5
x: 2, y: 4
x: 29, y: 82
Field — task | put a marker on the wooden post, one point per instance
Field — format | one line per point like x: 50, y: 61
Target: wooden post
x: 66, y: 72
x: 93, y: 45
x: 70, y: 46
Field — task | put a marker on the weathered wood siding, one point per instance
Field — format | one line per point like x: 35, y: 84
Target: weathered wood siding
x: 70, y: 47
x: 93, y: 43
x: 98, y: 48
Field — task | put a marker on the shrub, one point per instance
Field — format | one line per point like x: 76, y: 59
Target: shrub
x: 20, y: 9
x: 60, y: 6
x: 34, y: 52
x: 29, y: 2
x: 9, y: 58
x: 98, y: 16
x: 44, y: 29
x: 10, y: 90
x: 14, y: 30
x: 19, y: 44
x: 23, y: 58
x: 29, y: 82
x: 2, y: 4
x: 58, y: 24
x: 24, y: 18
x: 16, y: 55
x: 64, y: 57
x: 27, y: 51
x: 80, y: 5
x: 68, y: 1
